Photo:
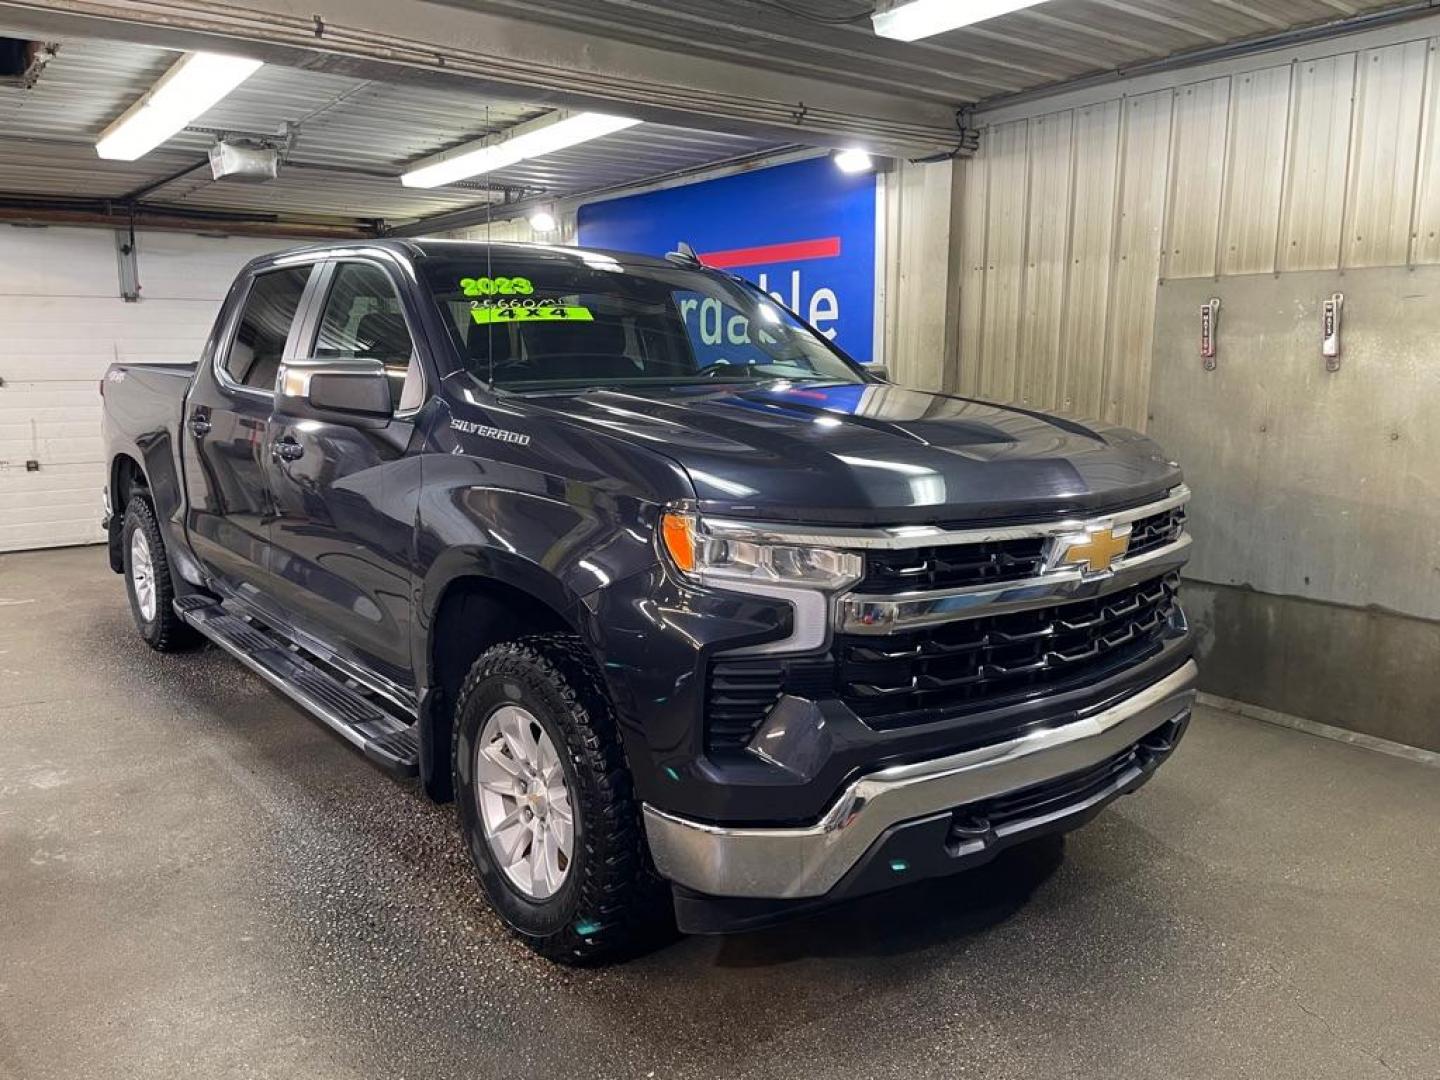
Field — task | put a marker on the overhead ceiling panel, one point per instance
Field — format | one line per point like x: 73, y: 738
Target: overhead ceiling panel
x: 81, y: 90
x: 1037, y: 46
x: 353, y: 137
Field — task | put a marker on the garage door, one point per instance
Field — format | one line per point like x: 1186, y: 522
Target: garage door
x: 62, y: 322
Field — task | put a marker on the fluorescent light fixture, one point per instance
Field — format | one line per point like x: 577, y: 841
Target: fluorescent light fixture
x: 536, y: 138
x: 853, y: 161
x: 187, y: 90
x: 911, y: 20
x: 542, y: 221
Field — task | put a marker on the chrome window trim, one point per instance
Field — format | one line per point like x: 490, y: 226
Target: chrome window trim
x: 903, y: 537
x: 897, y: 612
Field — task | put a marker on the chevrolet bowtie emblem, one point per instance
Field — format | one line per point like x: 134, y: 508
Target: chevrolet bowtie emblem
x: 1096, y: 550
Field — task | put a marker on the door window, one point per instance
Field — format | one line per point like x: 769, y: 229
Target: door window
x: 363, y: 320
x: 259, y: 345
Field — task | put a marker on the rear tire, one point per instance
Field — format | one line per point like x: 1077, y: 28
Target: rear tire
x: 147, y: 580
x: 537, y: 762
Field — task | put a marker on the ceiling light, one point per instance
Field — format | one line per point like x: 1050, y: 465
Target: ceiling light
x: 542, y: 221
x: 910, y: 20
x: 530, y: 140
x: 853, y: 161
x: 190, y: 88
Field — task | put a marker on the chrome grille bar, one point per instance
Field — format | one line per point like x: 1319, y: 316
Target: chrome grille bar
x: 892, y: 613
x: 913, y: 536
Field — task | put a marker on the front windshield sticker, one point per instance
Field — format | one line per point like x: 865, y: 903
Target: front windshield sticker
x: 541, y: 313
x: 496, y: 286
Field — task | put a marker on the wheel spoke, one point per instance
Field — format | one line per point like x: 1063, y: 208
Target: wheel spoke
x: 549, y: 759
x: 517, y: 815
x: 527, y: 740
x: 501, y: 764
x: 561, y: 835
x: 539, y: 868
x: 560, y: 805
x: 511, y: 842
x: 509, y: 727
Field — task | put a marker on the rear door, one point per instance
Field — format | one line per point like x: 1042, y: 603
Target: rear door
x: 345, y: 496
x: 225, y: 423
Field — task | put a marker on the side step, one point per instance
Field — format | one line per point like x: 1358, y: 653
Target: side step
x: 385, y: 738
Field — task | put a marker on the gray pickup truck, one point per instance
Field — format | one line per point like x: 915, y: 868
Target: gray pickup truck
x: 732, y: 630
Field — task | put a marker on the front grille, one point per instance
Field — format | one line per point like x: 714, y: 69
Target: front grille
x: 1156, y: 531
x: 957, y: 566
x: 965, y: 666
x: 998, y: 659
x: 952, y: 566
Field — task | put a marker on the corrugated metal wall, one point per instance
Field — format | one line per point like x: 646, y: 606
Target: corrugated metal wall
x: 1070, y: 218
x: 917, y: 211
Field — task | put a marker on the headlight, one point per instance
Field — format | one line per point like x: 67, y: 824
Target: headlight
x: 741, y: 554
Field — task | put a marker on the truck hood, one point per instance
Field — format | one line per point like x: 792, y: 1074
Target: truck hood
x: 875, y: 453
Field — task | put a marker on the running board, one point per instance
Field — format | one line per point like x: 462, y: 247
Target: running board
x: 385, y: 738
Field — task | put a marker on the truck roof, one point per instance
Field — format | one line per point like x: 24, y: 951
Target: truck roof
x: 430, y: 248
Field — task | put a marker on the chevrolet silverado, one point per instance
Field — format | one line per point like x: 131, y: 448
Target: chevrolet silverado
x: 686, y: 610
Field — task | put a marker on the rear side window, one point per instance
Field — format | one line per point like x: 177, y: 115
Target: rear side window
x: 259, y: 344
x: 362, y: 320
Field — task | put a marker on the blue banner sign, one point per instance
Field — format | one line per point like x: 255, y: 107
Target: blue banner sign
x: 805, y: 233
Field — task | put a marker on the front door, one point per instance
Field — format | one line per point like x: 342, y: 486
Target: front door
x: 224, y: 434
x: 346, y: 497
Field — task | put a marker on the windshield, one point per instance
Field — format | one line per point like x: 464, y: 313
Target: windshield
x: 529, y: 322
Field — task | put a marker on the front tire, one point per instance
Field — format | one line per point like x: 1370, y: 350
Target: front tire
x: 546, y: 807
x: 148, y: 583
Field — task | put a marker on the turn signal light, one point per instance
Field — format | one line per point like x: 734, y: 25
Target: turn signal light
x: 678, y: 533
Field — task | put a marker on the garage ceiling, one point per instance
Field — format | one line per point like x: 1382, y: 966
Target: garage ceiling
x: 752, y: 76
x: 353, y: 137
x: 1037, y: 46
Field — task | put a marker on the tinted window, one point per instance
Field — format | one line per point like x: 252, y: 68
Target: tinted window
x: 265, y: 322
x: 538, y: 323
x: 362, y: 320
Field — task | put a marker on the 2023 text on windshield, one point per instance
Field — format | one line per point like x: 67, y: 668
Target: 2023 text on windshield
x: 528, y: 324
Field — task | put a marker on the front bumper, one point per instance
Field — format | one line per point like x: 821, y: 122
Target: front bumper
x: 812, y: 861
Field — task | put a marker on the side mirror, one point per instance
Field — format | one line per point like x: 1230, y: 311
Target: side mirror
x: 354, y: 392
x: 880, y: 371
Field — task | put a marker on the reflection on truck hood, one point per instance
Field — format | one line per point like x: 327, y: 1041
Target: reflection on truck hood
x: 875, y: 453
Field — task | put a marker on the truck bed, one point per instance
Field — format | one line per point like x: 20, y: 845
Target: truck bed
x: 144, y: 398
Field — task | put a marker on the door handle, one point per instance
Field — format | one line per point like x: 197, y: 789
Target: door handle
x: 199, y: 425
x: 286, y: 449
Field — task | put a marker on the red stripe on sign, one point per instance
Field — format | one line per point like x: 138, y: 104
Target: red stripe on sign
x: 795, y: 251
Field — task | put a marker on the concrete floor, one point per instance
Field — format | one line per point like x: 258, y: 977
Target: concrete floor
x: 196, y: 880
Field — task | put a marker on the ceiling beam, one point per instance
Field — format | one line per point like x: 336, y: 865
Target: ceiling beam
x: 514, y: 56
x: 469, y: 216
x: 109, y: 213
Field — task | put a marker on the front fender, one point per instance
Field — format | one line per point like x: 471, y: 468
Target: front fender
x: 554, y: 539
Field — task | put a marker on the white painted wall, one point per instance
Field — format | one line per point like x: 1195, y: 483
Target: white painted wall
x: 62, y: 322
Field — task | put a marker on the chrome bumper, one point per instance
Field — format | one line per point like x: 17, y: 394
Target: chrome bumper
x: 794, y: 863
